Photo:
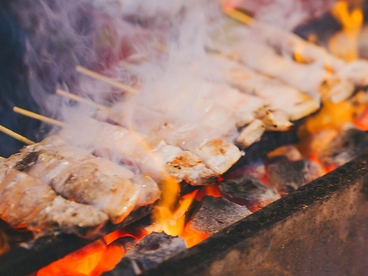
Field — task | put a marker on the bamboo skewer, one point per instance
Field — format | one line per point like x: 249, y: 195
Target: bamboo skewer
x: 128, y: 66
x: 237, y: 15
x: 108, y: 80
x: 15, y: 136
x: 76, y: 98
x: 37, y: 116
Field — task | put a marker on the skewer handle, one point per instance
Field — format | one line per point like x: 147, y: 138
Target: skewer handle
x: 38, y: 116
x: 237, y: 15
x: 103, y: 78
x: 15, y: 135
x: 78, y: 99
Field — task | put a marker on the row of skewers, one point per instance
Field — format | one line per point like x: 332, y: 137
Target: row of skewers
x: 59, y: 184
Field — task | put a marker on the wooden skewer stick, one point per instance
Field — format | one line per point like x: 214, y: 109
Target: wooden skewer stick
x: 108, y: 80
x: 15, y: 136
x: 76, y: 98
x: 237, y: 15
x: 128, y: 66
x: 37, y: 116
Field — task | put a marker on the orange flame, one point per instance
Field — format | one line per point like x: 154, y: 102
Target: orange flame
x: 345, y: 43
x: 83, y: 261
x: 192, y: 237
x: 165, y: 213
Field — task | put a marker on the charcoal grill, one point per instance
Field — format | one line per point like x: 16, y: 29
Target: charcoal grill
x: 319, y: 229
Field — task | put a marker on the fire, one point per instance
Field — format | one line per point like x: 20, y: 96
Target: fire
x: 90, y: 260
x: 166, y: 216
x: 95, y: 258
x: 211, y: 190
x: 192, y: 237
x: 350, y: 16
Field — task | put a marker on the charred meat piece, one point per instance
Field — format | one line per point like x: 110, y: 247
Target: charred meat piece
x: 346, y: 146
x: 84, y: 183
x: 287, y: 176
x: 149, y: 251
x: 249, y: 191
x: 28, y: 202
x: 87, y: 179
x: 213, y: 214
x: 148, y: 153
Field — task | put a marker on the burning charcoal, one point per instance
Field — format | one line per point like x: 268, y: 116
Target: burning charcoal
x: 127, y: 243
x: 214, y: 214
x: 287, y: 176
x: 348, y: 145
x: 149, y: 251
x: 249, y: 191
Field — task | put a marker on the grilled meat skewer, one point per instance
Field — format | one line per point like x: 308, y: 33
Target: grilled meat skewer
x: 29, y: 202
x: 85, y: 178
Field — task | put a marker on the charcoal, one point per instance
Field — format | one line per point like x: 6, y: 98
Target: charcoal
x: 127, y: 243
x: 350, y: 144
x: 287, y: 176
x: 213, y: 214
x: 148, y: 252
x: 249, y: 191
x: 269, y: 141
x: 321, y: 29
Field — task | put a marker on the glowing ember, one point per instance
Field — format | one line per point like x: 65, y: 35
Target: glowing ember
x: 83, y: 261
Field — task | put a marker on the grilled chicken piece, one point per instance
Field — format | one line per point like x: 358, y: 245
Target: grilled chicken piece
x: 149, y: 189
x: 219, y: 155
x: 290, y: 44
x: 307, y: 78
x: 92, y: 180
x: 276, y: 94
x: 250, y: 134
x: 149, y: 154
x: 29, y: 202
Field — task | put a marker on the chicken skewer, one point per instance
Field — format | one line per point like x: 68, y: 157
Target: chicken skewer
x: 276, y: 94
x: 306, y: 52
x: 263, y: 58
x: 129, y: 147
x: 28, y: 202
x: 85, y: 178
x: 149, y: 154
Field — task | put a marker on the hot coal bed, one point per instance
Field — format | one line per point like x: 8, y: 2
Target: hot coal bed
x: 319, y: 229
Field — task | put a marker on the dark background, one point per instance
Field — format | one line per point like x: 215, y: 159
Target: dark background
x: 14, y: 89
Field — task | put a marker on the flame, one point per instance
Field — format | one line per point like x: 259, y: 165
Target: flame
x: 212, y: 190
x: 321, y: 128
x: 345, y: 43
x: 332, y: 115
x: 165, y: 213
x: 168, y: 217
x: 93, y: 259
x: 361, y: 121
x: 192, y: 237
x: 81, y: 262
